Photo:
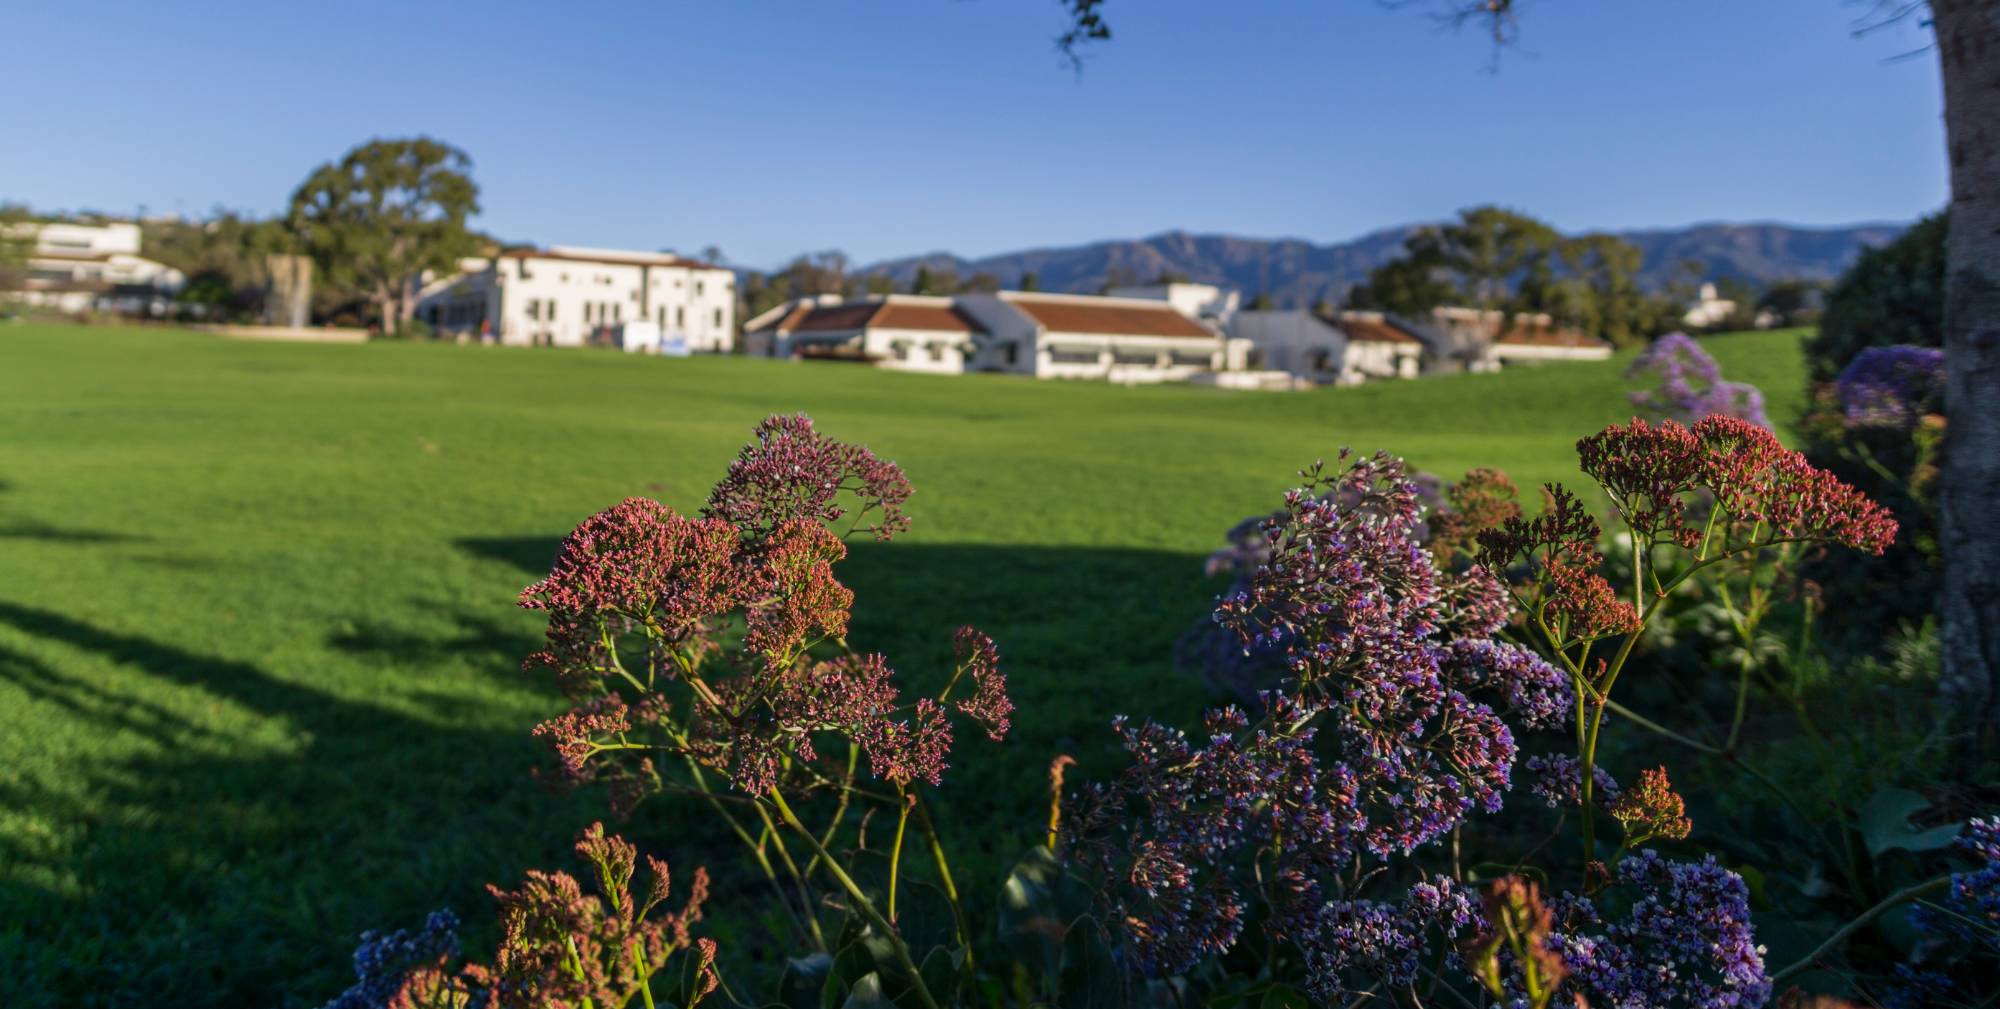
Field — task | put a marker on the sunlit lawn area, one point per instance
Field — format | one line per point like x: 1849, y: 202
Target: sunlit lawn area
x: 258, y: 647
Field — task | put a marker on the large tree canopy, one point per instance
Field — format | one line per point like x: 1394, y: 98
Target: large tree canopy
x: 383, y: 215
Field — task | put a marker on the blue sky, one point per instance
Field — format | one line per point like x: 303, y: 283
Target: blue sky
x: 886, y: 127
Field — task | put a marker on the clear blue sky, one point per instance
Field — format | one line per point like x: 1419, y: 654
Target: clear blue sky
x: 885, y: 127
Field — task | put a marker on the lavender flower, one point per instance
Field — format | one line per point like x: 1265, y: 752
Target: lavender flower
x: 1687, y: 941
x: 385, y: 961
x: 1559, y: 778
x: 1891, y: 387
x: 1975, y: 895
x: 1689, y: 384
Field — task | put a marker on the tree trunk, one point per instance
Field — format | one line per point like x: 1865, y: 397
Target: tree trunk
x: 385, y: 308
x: 1968, y: 40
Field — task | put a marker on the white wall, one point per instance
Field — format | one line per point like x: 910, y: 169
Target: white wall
x: 560, y: 300
x: 1293, y: 340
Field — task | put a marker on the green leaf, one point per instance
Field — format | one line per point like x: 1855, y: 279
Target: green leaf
x: 1885, y: 823
x: 804, y: 978
x: 867, y: 994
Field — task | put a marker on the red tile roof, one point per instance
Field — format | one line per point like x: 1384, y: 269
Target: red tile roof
x: 890, y: 313
x: 1363, y: 329
x: 845, y: 315
x: 939, y: 318
x: 1527, y: 335
x: 1111, y: 316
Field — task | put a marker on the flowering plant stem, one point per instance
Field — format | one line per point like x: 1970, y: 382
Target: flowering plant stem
x: 1905, y: 895
x: 861, y: 901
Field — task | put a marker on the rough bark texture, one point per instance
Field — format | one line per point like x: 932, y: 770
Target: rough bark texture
x: 1968, y: 39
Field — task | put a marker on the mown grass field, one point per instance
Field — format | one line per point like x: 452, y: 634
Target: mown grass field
x: 258, y: 647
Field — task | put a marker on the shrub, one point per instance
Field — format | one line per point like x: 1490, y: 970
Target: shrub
x: 1891, y: 295
x: 1342, y: 837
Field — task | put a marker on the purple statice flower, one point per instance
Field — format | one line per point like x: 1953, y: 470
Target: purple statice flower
x: 385, y: 961
x: 1537, y: 693
x: 1686, y: 941
x: 1368, y: 749
x: 1558, y: 781
x: 1975, y: 895
x: 1891, y: 387
x: 1688, y: 384
x: 1381, y: 942
x: 1917, y: 988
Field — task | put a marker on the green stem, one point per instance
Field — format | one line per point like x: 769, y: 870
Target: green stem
x: 645, y: 976
x: 896, y: 855
x: 861, y: 902
x: 944, y: 877
x: 1833, y: 941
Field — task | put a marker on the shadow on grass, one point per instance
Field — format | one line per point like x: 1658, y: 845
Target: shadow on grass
x: 204, y: 868
x: 46, y: 533
x: 219, y: 860
x: 1084, y: 634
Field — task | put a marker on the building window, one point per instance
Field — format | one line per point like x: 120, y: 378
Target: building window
x: 618, y: 315
x: 681, y: 317
x: 1073, y: 355
x: 549, y: 314
x: 937, y: 353
x: 534, y: 309
x: 663, y: 316
x: 697, y: 288
x: 718, y: 318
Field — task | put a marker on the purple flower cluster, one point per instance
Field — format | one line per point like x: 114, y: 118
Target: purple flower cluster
x: 1559, y: 781
x: 1168, y: 835
x: 385, y: 962
x: 1537, y: 693
x: 1688, y: 384
x: 1975, y: 895
x: 1891, y: 387
x: 1380, y: 942
x: 1374, y: 746
x: 1686, y: 941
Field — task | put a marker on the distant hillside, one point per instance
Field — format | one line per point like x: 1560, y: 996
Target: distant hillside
x: 1298, y: 272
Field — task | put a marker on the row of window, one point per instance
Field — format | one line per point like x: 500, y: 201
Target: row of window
x: 600, y: 312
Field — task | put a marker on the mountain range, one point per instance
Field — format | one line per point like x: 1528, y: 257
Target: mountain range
x: 1298, y: 272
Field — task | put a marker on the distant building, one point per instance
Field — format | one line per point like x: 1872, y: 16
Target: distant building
x: 1133, y: 340
x: 1380, y: 346
x: 78, y: 268
x: 1708, y: 309
x: 1207, y: 302
x: 904, y: 332
x: 1471, y: 339
x: 1044, y: 335
x: 1302, y: 343
x: 568, y: 296
x: 1531, y: 338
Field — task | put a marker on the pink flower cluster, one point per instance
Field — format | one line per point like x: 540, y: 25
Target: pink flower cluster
x: 727, y: 612
x: 793, y: 473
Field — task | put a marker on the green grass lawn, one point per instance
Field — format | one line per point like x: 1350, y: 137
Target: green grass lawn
x: 258, y: 647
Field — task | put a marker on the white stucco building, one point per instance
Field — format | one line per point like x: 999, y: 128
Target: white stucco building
x: 1132, y: 340
x: 1043, y: 335
x: 1293, y: 340
x: 94, y: 267
x: 1206, y: 302
x: 1709, y: 309
x: 903, y: 332
x: 569, y: 296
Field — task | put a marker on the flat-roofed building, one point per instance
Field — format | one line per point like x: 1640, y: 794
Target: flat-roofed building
x: 569, y: 296
x: 76, y: 268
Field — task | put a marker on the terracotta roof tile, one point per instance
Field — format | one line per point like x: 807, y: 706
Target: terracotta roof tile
x: 1526, y: 335
x: 1109, y: 316
x: 1362, y: 329
x: 939, y: 318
